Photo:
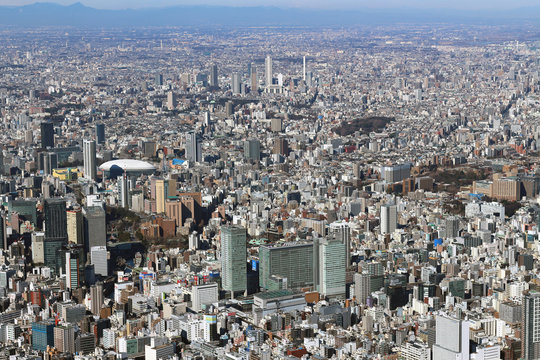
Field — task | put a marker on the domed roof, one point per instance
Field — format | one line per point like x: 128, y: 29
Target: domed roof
x: 127, y: 165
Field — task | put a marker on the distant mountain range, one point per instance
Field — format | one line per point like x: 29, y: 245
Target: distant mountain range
x: 48, y: 14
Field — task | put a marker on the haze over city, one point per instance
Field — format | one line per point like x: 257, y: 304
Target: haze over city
x: 255, y: 180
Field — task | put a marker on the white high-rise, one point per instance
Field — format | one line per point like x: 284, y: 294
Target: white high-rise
x: 388, y: 219
x: 268, y: 70
x: 340, y: 230
x: 89, y: 154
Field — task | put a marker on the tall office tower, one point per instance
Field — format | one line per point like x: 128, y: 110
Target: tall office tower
x: 89, y: 155
x: 213, y: 76
x: 452, y: 226
x: 268, y: 70
x: 73, y: 276
x: 193, y: 147
x: 95, y: 227
x: 161, y: 196
x: 54, y: 210
x: 276, y: 125
x: 29, y: 137
x: 388, y: 218
x: 38, y: 247
x: 42, y: 335
x: 309, y: 79
x: 341, y: 231
x: 253, y: 79
x: 159, y: 80
x: 123, y: 190
x: 252, y: 149
x: 233, y: 258
x: 96, y: 298
x: 64, y: 338
x: 281, y: 147
x: 50, y: 163
x: 530, y: 326
x: 235, y: 85
x: 171, y: 101
x: 289, y: 265
x: 332, y: 268
x: 2, y: 169
x: 75, y: 226
x: 47, y: 135
x: 375, y: 271
x: 452, y: 338
x: 362, y: 287
x: 3, y: 231
x: 99, y: 258
x: 304, y: 69
x: 100, y: 133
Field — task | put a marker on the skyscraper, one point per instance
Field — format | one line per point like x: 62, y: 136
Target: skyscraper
x: 304, y: 68
x: 99, y: 258
x: 100, y: 133
x: 73, y: 275
x: 213, y: 75
x: 55, y: 218
x: 50, y: 162
x: 294, y: 264
x: 233, y: 258
x: 332, y: 268
x: 235, y: 86
x: 452, y: 339
x: 89, y: 154
x: 252, y: 149
x: 3, y: 233
x: 123, y: 190
x: 530, y: 326
x: 47, y: 134
x: 253, y: 78
x: 75, y: 226
x: 341, y: 231
x: 96, y: 298
x: 95, y: 227
x: 388, y: 218
x: 171, y: 101
x: 193, y: 147
x: 64, y: 338
x: 42, y: 335
x: 159, y: 80
x: 268, y: 70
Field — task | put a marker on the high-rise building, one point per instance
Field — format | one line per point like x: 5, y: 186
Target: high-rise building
x: 204, y: 295
x: 213, y: 75
x: 96, y: 298
x: 388, y: 219
x: 75, y: 226
x: 233, y: 258
x: 47, y: 135
x: 331, y: 268
x: 253, y: 78
x: 50, y: 162
x: 42, y: 335
x: 54, y: 210
x: 95, y: 227
x: 452, y: 226
x: 455, y: 346
x: 99, y: 258
x: 159, y: 80
x: 171, y: 101
x: 3, y: 232
x: 292, y: 265
x: 304, y: 69
x: 252, y: 149
x: 281, y: 147
x: 123, y: 190
x: 362, y: 287
x: 64, y: 338
x: 89, y: 155
x: 73, y: 266
x: 100, y: 133
x: 193, y: 147
x: 530, y: 326
x: 235, y: 85
x: 268, y: 71
x: 341, y: 231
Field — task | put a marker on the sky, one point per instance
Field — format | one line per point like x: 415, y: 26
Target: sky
x: 343, y: 4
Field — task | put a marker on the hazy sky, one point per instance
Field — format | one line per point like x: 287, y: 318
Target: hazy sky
x: 455, y: 4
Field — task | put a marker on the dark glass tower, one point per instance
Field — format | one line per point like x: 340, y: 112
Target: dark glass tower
x: 47, y: 135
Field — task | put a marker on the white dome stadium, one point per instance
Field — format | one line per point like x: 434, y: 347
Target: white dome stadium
x: 129, y: 166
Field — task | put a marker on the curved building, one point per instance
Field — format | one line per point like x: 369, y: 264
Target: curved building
x: 131, y: 167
